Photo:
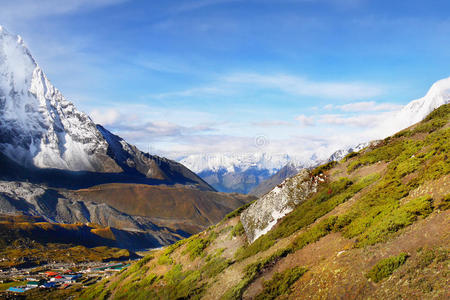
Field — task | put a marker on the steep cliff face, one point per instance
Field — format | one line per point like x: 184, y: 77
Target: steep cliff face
x: 264, y: 213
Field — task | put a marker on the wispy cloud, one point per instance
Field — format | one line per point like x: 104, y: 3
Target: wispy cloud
x: 368, y: 106
x: 242, y: 83
x: 106, y: 117
x: 197, y: 92
x: 305, y: 120
x: 199, y: 4
x: 133, y: 123
x: 28, y: 9
x: 302, y: 86
x: 365, y: 120
x: 273, y: 123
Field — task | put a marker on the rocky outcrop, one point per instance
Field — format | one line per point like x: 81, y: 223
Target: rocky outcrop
x: 262, y: 215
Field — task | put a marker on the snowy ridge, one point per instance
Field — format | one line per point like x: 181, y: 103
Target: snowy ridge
x: 416, y: 110
x: 340, y: 154
x: 238, y: 162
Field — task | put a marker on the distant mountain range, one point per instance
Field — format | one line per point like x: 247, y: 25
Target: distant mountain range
x: 55, y: 162
x: 240, y: 172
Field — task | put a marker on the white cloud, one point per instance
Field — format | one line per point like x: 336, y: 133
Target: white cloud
x: 305, y: 121
x: 197, y: 92
x: 273, y: 123
x: 241, y: 83
x: 301, y: 86
x: 105, y: 117
x: 366, y: 106
x: 359, y: 121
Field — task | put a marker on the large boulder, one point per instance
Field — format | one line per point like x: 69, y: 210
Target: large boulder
x: 260, y: 217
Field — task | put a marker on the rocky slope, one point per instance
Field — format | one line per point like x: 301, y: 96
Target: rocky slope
x: 376, y: 227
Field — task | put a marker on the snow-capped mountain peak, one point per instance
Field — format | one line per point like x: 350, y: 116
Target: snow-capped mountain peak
x: 39, y: 127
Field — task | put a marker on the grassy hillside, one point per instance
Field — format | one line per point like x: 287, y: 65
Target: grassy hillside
x: 378, y: 227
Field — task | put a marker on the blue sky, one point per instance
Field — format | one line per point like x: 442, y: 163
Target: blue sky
x: 181, y: 77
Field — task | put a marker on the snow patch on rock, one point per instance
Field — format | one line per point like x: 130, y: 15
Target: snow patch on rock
x: 260, y: 217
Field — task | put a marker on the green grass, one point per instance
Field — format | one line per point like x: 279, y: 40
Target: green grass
x: 379, y: 213
x: 238, y: 230
x: 251, y: 272
x: 165, y: 259
x: 381, y: 221
x: 195, y: 246
x: 322, y: 168
x: 385, y: 267
x: 281, y: 283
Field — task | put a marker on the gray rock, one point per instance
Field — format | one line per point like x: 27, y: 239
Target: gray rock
x: 260, y: 217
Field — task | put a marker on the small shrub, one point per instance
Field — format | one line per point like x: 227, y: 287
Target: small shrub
x: 427, y: 256
x: 281, y: 283
x: 195, y: 246
x: 144, y: 260
x: 445, y: 203
x: 381, y: 221
x: 325, y: 167
x: 165, y: 259
x: 252, y: 271
x: 238, y: 230
x: 237, y: 212
x: 385, y: 267
x: 350, y: 155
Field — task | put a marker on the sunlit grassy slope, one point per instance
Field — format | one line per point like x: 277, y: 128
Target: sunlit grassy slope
x: 377, y: 228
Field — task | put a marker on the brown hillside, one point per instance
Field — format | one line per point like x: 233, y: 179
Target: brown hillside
x: 188, y: 209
